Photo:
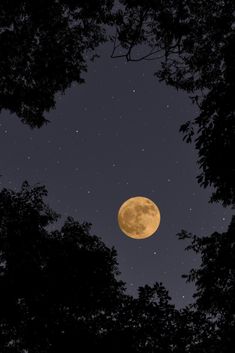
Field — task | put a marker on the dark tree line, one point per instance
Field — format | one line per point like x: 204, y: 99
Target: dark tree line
x: 60, y: 290
x: 45, y: 46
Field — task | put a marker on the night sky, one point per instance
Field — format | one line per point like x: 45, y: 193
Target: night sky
x: 112, y: 138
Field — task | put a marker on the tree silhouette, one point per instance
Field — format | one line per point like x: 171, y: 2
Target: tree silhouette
x: 195, y: 42
x: 144, y: 324
x: 151, y: 323
x: 58, y: 288
x: 215, y: 283
x: 45, y: 46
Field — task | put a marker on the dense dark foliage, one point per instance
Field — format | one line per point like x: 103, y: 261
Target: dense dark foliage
x: 215, y: 282
x: 45, y: 46
x: 195, y: 42
x: 58, y: 288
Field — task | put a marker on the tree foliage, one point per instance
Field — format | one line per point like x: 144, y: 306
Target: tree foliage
x: 195, y: 41
x: 45, y: 46
x: 58, y: 288
x: 215, y: 282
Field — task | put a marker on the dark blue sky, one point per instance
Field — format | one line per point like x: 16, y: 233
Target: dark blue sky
x: 114, y: 137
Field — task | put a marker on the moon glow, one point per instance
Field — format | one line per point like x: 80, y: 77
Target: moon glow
x: 139, y: 217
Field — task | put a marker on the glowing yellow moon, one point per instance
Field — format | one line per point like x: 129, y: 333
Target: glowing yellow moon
x: 139, y: 217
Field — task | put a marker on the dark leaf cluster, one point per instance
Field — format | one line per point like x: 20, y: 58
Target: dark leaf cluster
x: 45, y: 46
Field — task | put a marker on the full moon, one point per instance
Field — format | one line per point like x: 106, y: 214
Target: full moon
x: 139, y: 217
